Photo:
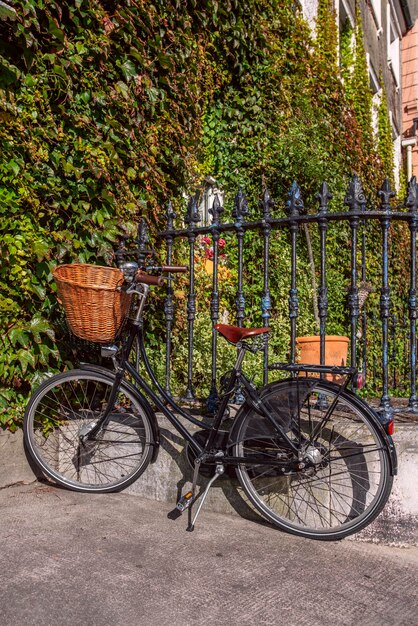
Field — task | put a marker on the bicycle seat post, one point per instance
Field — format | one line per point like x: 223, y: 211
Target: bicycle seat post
x: 225, y: 399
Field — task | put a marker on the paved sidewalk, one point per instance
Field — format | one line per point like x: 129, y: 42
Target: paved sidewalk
x: 113, y: 560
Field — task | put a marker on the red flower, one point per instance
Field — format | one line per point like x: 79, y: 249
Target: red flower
x: 206, y: 240
x: 222, y: 243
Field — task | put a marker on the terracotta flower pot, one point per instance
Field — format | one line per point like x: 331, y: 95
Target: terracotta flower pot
x: 336, y: 349
x: 209, y: 266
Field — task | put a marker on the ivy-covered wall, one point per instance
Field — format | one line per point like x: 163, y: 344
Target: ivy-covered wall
x: 109, y: 109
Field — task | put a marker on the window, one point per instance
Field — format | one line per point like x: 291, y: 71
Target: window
x: 346, y: 39
x: 393, y: 45
x: 310, y: 10
x: 396, y: 150
x: 374, y: 81
x: 376, y: 90
x: 376, y: 8
x: 345, y: 15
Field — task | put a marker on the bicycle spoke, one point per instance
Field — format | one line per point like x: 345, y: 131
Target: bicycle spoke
x: 338, y: 480
x: 74, y: 402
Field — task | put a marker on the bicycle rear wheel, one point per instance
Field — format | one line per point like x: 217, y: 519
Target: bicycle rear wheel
x: 66, y: 405
x: 341, y: 478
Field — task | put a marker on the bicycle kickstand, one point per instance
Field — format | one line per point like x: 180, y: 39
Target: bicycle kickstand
x: 220, y: 469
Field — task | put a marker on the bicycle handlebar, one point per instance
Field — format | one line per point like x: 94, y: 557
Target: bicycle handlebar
x: 174, y: 269
x: 170, y: 269
x: 140, y: 277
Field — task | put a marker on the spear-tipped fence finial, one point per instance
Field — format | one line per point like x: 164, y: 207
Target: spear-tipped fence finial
x: 412, y: 198
x: 294, y: 204
x: 355, y: 198
x: 240, y: 209
x: 192, y: 213
x: 216, y: 210
x: 143, y: 241
x: 385, y: 194
x: 323, y: 197
x: 266, y: 204
x: 171, y: 216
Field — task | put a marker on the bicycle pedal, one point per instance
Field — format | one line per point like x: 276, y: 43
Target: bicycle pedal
x: 184, y: 502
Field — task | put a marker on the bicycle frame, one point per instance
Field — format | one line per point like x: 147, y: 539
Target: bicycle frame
x: 163, y: 400
x: 251, y: 396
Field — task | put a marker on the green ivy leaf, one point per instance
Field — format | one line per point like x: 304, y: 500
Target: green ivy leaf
x: 18, y: 335
x: 25, y: 358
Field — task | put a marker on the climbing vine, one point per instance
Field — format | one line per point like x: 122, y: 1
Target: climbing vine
x: 359, y: 91
x: 384, y: 138
x: 327, y: 33
x: 346, y: 51
x: 109, y: 109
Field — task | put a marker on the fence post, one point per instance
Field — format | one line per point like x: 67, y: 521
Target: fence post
x: 385, y: 194
x: 215, y: 211
x: 239, y: 212
x: 192, y: 218
x: 294, y: 207
x: 355, y: 201
x: 412, y: 204
x: 169, y: 300
x: 266, y: 204
x: 323, y: 197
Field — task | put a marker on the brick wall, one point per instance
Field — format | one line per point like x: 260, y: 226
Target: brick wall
x: 410, y: 90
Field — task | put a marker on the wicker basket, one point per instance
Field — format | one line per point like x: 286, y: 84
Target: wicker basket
x: 94, y: 307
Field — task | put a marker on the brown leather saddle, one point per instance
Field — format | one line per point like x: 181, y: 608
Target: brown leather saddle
x: 234, y: 334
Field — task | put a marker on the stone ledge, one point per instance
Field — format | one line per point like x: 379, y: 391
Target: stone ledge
x: 171, y: 474
x: 14, y: 467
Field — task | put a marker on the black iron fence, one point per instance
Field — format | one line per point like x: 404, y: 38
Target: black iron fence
x: 393, y: 366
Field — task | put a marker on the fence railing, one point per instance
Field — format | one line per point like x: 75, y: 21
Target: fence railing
x: 395, y: 331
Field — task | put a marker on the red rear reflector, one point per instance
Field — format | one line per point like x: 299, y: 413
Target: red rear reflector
x: 390, y: 428
x: 359, y: 380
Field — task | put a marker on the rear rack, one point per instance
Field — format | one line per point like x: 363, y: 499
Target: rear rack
x: 317, y: 369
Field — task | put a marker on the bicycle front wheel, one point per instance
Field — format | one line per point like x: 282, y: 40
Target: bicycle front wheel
x: 338, y: 479
x: 66, y: 406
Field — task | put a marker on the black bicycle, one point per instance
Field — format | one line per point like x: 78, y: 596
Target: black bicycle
x: 313, y: 458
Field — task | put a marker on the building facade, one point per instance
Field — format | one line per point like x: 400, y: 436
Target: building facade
x: 385, y: 24
x: 410, y: 95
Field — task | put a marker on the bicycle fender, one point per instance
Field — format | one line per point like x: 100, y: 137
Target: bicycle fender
x: 240, y: 414
x: 390, y: 443
x: 381, y: 422
x: 142, y: 399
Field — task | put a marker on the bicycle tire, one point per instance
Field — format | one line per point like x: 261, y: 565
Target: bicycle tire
x: 350, y: 481
x: 61, y: 407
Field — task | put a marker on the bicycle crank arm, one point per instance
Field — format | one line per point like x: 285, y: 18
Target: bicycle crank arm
x: 184, y: 502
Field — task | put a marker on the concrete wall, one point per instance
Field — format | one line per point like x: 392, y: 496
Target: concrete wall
x: 310, y: 9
